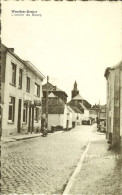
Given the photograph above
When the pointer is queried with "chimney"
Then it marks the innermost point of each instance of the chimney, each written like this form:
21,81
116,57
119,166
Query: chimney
11,49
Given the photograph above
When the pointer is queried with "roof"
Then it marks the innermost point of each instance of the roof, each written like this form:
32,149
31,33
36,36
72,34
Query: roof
83,106
76,109
78,97
48,86
56,91
107,70
25,63
55,106
69,108
34,69
51,95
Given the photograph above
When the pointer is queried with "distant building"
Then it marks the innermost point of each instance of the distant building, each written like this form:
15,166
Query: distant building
74,91
21,84
79,102
59,115
102,112
56,91
76,116
55,106
114,103
93,113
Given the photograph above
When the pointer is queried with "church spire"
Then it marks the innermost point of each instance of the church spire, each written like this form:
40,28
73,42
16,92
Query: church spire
75,91
75,86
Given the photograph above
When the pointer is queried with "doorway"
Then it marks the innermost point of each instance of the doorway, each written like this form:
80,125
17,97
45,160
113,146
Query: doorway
19,115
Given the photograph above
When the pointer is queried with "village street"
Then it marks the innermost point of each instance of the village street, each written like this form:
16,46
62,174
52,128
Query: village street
43,164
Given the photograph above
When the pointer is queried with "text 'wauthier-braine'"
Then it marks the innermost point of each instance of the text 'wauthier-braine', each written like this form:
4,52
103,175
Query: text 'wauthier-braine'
25,13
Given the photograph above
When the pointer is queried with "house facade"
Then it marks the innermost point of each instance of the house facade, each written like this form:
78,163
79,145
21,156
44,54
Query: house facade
55,104
93,113
76,116
59,115
21,95
113,76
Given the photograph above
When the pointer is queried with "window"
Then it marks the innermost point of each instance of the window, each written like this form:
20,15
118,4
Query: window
28,85
13,81
37,114
37,90
20,78
25,113
11,111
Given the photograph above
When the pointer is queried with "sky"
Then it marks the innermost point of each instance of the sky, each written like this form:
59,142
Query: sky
68,41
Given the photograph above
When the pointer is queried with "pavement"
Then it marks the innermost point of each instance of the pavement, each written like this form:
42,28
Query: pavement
42,165
45,165
18,137
101,171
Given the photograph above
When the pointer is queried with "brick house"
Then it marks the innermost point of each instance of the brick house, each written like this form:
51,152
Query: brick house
21,84
113,76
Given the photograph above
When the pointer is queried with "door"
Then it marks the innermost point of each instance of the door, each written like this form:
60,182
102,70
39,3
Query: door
67,125
32,119
29,120
19,115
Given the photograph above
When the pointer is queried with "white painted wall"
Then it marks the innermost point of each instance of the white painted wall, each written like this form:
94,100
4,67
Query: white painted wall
53,119
9,90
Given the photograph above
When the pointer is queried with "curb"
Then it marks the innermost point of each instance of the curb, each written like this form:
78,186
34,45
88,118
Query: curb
18,139
14,139
76,171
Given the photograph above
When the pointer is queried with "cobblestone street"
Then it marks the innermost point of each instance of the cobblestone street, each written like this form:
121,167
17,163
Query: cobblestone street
43,164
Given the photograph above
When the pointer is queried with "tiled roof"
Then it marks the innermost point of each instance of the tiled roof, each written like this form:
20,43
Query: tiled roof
48,86
78,97
76,110
83,106
75,104
55,106
51,95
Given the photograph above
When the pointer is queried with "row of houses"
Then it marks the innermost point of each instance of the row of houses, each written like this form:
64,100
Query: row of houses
25,102
63,114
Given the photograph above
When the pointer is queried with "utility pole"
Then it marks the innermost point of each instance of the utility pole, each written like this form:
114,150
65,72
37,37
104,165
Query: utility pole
46,125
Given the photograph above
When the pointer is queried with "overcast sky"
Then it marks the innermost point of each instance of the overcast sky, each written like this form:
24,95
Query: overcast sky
69,41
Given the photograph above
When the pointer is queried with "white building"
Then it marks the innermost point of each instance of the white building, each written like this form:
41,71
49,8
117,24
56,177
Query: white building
59,115
114,103
21,84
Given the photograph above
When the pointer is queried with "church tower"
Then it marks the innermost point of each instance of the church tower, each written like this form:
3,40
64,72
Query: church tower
74,91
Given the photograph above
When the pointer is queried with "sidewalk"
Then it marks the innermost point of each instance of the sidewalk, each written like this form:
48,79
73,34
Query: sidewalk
13,138
100,173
